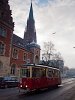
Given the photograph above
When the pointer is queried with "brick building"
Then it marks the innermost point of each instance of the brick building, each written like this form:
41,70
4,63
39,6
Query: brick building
6,31
15,51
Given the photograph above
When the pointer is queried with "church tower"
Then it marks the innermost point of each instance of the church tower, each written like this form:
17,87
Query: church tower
30,32
30,39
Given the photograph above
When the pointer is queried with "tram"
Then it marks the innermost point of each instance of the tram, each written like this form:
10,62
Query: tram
35,77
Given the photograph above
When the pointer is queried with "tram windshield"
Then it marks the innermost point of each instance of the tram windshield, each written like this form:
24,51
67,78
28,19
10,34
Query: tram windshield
25,72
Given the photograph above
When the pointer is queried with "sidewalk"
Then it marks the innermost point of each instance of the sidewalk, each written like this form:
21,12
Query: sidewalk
65,80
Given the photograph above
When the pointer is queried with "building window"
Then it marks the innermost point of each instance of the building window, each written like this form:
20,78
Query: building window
1,65
15,53
37,52
25,57
2,32
13,69
2,47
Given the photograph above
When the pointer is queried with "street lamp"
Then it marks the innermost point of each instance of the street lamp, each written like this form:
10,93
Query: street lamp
54,33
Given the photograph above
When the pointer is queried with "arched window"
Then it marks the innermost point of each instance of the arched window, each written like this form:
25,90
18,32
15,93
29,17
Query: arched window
36,59
2,48
3,31
1,65
13,69
25,56
15,53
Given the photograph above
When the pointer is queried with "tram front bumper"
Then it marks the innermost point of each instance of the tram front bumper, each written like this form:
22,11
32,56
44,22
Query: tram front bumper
24,88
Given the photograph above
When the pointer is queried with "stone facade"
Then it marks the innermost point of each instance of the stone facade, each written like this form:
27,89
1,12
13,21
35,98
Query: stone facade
5,68
6,31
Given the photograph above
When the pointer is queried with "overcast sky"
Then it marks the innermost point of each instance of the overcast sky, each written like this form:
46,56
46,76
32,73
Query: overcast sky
50,16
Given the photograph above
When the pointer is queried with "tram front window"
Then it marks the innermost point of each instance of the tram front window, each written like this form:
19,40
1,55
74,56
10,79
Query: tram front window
25,72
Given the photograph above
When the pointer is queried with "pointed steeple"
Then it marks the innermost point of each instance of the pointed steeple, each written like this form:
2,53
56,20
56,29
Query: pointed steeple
31,12
30,32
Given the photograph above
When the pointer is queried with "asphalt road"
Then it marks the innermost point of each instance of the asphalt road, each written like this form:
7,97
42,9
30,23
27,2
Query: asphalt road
66,91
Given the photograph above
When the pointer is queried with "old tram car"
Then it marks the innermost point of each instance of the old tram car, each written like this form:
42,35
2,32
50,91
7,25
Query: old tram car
35,77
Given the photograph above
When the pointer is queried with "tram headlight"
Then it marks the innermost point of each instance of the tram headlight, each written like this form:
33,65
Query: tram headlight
20,85
26,86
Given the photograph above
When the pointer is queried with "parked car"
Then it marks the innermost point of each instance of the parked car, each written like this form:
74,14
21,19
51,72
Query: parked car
2,83
8,82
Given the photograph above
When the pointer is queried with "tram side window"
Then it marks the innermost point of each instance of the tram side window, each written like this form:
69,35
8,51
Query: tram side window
55,73
38,72
59,75
35,72
43,72
25,72
49,73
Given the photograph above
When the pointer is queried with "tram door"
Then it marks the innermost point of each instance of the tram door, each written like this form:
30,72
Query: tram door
43,79
36,77
39,77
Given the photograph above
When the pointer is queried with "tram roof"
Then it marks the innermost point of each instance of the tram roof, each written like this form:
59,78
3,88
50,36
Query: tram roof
25,65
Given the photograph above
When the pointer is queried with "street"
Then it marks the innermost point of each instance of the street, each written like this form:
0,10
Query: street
65,91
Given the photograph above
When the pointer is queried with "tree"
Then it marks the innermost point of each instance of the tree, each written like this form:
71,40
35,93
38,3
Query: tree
50,58
57,56
48,51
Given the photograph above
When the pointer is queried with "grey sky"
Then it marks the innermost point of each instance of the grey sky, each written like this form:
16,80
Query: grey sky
50,16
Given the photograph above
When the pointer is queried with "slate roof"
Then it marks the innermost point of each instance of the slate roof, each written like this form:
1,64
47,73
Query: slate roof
16,40
33,45
19,42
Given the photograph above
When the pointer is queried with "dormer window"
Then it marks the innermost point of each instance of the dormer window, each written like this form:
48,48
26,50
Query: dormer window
3,32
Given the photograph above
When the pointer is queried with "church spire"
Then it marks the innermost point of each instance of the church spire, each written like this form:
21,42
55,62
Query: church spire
30,32
31,12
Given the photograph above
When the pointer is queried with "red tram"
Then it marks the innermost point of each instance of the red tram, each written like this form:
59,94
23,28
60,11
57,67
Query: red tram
34,77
